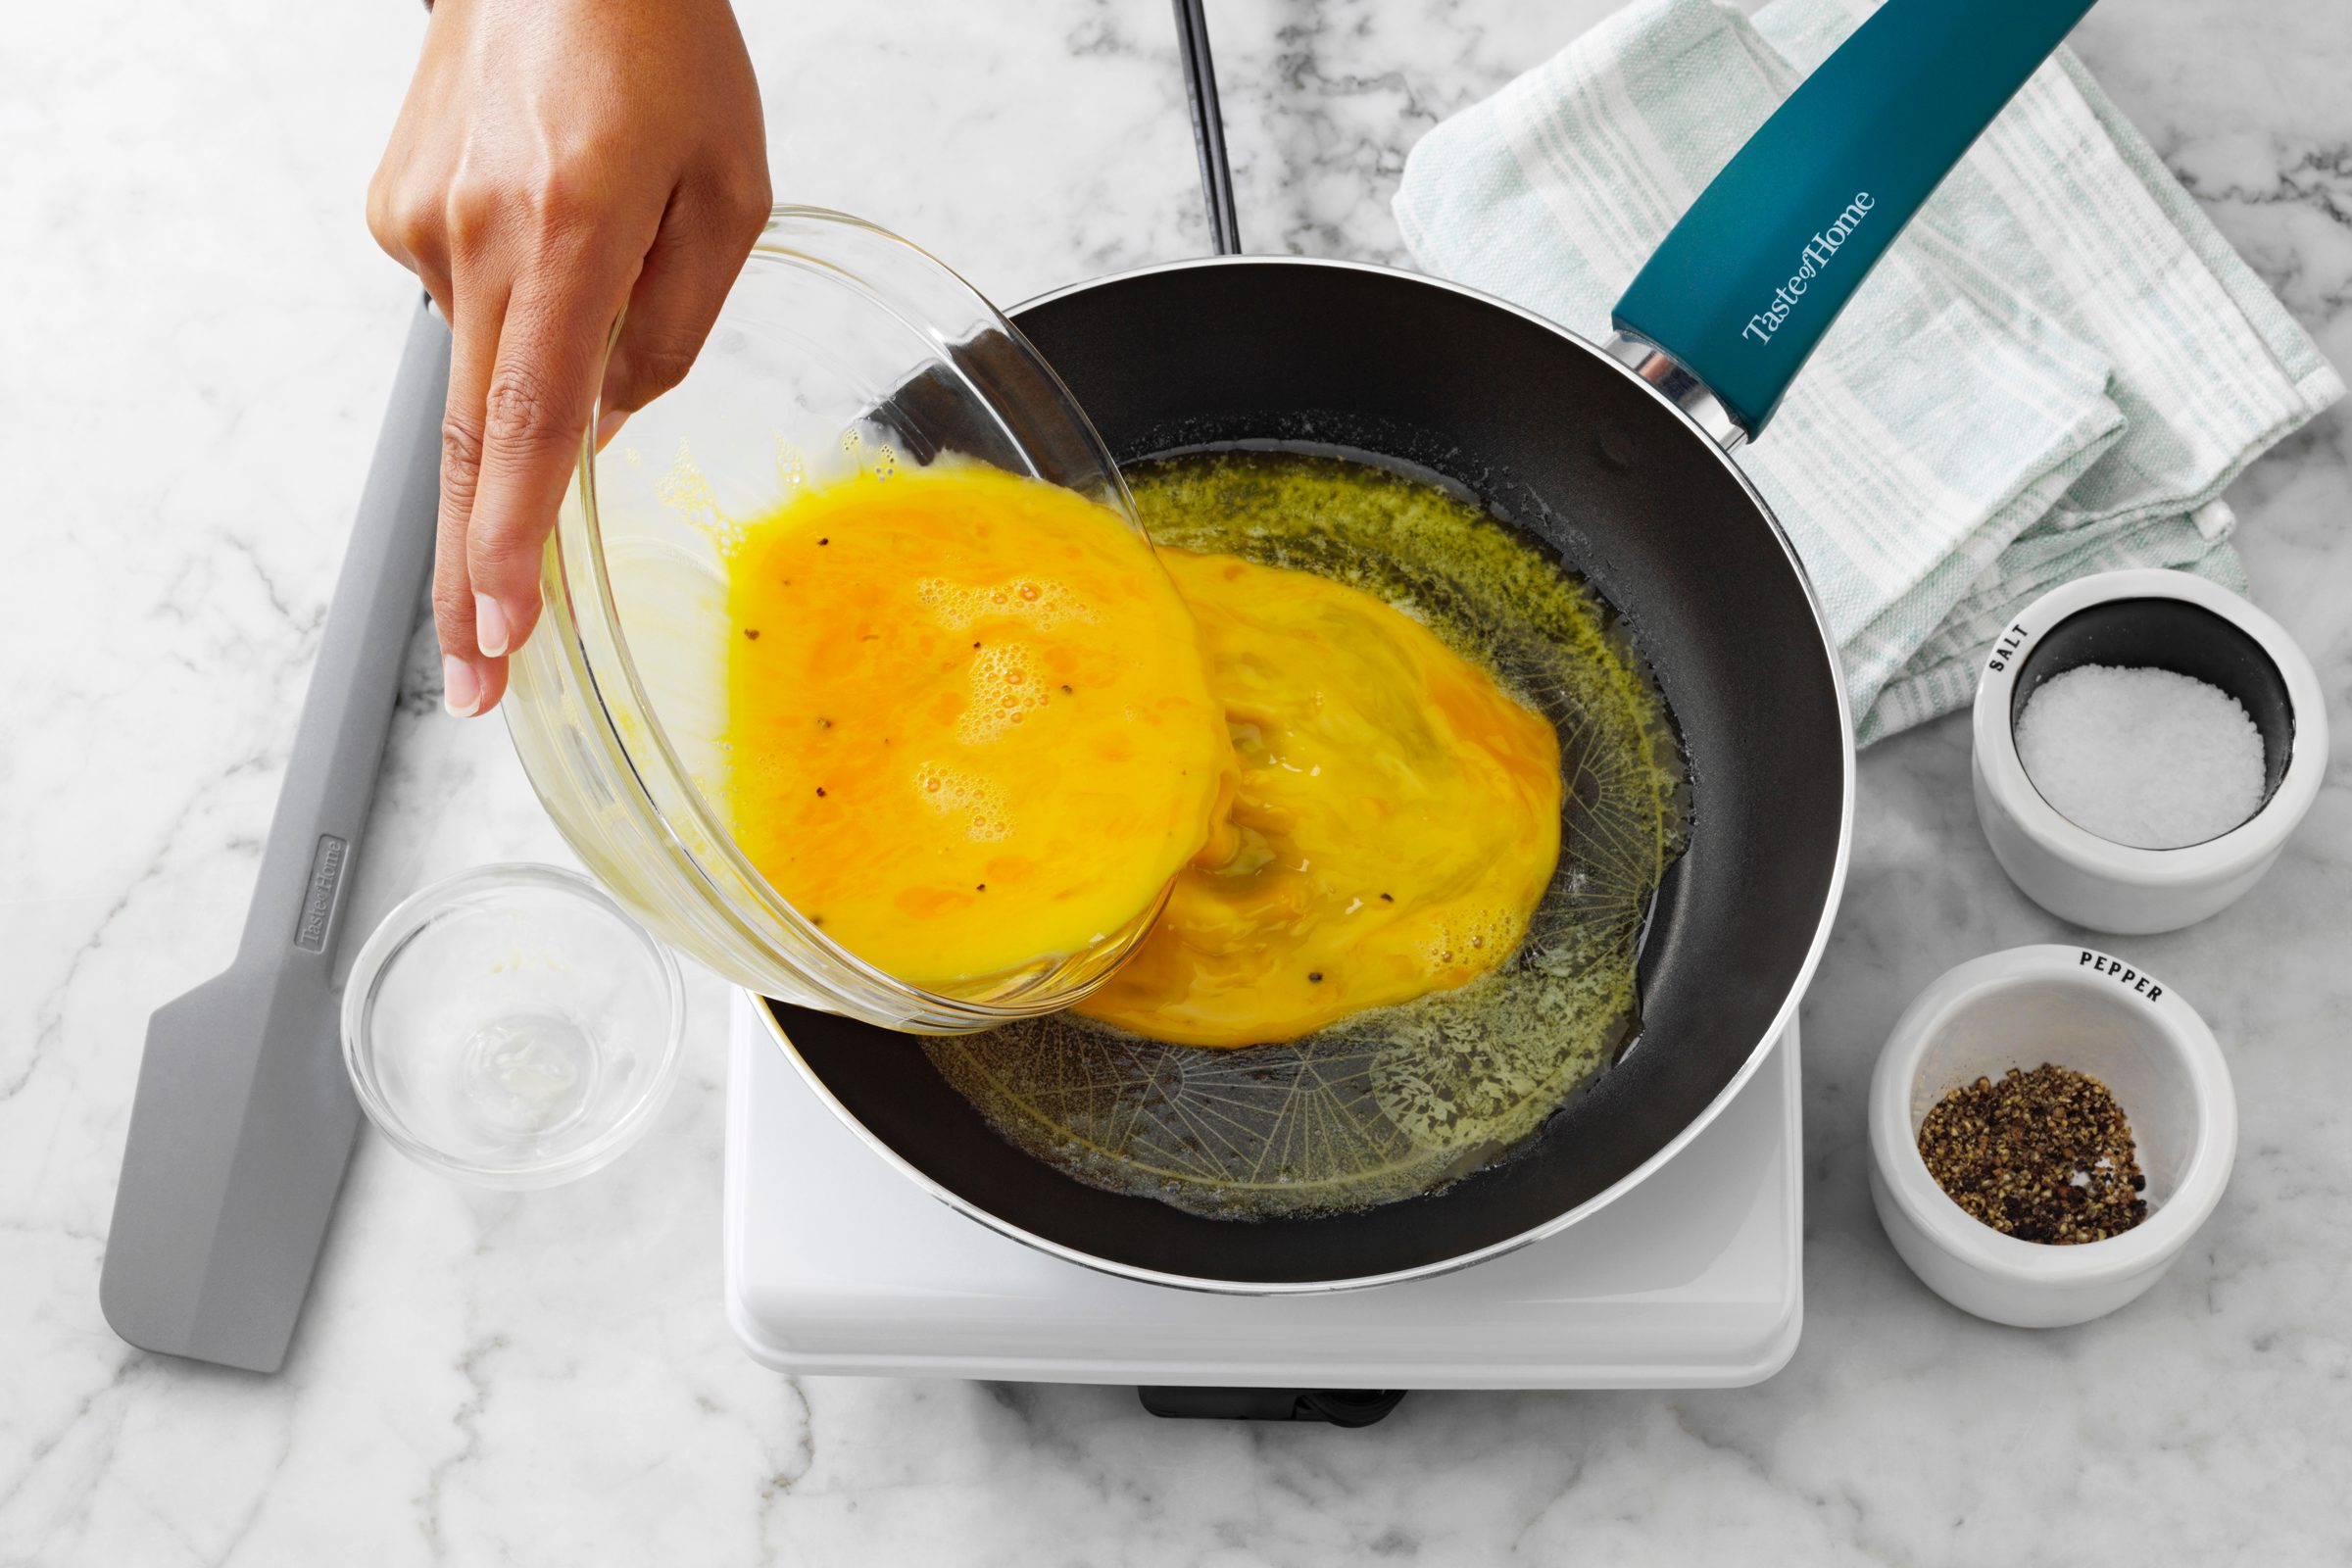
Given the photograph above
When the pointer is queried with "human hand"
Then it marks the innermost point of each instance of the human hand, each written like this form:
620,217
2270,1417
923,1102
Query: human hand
556,160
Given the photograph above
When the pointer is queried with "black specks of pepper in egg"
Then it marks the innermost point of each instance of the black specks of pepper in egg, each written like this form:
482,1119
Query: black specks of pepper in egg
752,633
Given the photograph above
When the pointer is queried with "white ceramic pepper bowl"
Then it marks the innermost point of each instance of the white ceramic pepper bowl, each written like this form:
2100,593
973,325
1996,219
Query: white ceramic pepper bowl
2170,620
2074,1008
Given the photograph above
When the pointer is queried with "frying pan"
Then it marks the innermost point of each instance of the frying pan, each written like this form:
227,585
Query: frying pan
1617,456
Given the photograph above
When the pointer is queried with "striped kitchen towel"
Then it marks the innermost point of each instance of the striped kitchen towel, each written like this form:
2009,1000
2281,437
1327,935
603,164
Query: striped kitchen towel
2055,371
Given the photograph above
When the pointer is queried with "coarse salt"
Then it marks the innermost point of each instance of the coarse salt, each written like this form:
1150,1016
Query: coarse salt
2146,758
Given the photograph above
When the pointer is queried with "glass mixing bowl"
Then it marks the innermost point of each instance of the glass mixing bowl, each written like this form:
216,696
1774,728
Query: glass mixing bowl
840,348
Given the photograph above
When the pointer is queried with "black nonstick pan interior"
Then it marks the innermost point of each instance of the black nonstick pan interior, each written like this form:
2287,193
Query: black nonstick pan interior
1563,442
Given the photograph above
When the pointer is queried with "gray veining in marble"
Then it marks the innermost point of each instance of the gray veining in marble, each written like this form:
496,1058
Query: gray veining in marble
199,340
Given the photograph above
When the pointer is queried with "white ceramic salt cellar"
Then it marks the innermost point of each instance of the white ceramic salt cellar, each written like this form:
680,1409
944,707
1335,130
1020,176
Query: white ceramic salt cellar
2147,617
2075,1007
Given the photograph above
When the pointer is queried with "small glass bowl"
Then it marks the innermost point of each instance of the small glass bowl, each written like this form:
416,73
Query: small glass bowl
512,1027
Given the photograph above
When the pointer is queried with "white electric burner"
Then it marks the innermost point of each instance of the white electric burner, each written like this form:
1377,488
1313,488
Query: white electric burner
837,1262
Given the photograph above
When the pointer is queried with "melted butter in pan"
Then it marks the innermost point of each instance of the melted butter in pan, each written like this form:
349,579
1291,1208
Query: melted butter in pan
1396,1101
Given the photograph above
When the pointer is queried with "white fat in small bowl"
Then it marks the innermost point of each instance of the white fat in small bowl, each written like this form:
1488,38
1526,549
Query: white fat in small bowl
2146,618
2097,1014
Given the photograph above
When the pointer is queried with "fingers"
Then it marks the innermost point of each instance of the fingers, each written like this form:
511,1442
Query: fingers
474,354
535,407
521,393
705,233
544,157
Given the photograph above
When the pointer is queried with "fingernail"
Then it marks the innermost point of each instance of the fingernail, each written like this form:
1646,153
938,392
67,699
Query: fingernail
610,426
461,687
489,627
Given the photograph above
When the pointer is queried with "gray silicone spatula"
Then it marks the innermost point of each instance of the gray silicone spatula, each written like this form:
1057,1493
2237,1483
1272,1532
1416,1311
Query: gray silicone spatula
244,1119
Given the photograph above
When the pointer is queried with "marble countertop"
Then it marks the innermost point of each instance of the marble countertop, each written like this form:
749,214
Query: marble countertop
201,342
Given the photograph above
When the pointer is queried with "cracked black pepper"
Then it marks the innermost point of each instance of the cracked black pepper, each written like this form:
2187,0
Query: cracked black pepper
2044,1155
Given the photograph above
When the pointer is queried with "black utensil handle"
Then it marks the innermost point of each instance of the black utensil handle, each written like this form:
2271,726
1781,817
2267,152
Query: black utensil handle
1338,1407
1208,126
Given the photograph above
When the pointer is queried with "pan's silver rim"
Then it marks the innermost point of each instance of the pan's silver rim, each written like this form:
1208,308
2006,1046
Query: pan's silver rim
1782,1016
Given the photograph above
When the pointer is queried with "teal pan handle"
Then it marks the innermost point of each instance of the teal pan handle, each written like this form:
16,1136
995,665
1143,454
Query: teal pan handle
1751,277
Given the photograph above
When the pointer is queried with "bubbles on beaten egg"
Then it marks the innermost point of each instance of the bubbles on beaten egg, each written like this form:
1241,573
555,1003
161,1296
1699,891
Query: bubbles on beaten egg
1463,941
1031,602
791,469
1400,1101
947,790
875,456
687,492
1007,688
